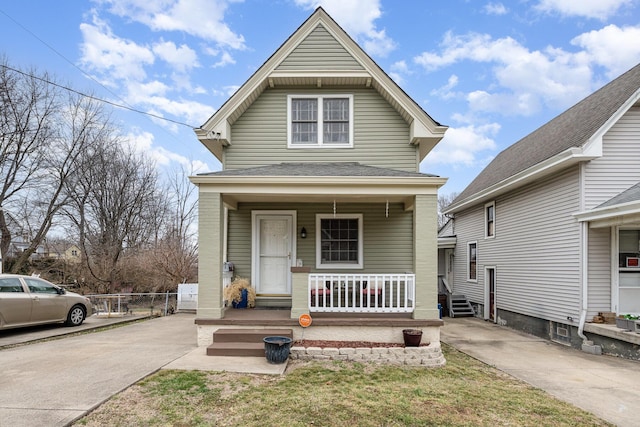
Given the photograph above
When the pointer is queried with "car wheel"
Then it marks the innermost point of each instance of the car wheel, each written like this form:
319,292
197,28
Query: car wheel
76,316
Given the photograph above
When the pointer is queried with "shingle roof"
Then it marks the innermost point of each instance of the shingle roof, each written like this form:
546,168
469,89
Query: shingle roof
573,128
347,169
631,194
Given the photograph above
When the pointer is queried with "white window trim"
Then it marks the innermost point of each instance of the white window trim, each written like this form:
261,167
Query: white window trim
320,144
319,264
469,279
486,220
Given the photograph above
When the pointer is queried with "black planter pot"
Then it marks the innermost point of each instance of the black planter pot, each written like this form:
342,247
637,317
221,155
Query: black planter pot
412,337
276,349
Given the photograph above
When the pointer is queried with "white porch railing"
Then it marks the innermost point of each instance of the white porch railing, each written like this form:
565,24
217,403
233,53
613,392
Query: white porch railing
362,293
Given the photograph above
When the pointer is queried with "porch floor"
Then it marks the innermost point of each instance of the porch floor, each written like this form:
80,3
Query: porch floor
282,318
612,331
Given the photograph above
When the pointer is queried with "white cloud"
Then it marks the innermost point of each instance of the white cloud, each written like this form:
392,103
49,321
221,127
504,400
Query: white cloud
524,80
461,146
199,18
596,9
144,143
617,49
106,53
357,18
225,59
446,91
495,9
181,58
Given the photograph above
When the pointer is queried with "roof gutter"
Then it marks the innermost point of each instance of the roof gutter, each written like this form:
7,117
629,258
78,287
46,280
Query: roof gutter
609,216
560,161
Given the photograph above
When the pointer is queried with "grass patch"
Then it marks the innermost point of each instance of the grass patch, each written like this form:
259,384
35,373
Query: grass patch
464,393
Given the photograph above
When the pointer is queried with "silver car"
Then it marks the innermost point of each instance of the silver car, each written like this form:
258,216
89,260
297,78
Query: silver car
29,300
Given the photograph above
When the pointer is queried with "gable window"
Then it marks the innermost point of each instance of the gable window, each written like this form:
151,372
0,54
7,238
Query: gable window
339,241
320,121
489,219
472,261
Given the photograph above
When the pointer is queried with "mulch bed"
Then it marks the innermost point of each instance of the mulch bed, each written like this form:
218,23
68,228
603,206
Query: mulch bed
346,344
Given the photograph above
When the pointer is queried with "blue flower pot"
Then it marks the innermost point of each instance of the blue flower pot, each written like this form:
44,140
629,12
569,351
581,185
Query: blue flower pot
243,302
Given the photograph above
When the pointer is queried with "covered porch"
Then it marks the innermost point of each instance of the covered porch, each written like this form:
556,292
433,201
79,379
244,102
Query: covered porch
339,240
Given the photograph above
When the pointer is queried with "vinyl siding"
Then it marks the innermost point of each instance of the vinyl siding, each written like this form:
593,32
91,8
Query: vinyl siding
536,249
381,136
388,246
599,268
469,228
619,166
319,51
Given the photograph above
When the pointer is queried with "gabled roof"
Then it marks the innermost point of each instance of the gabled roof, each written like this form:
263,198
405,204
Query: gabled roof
354,68
573,136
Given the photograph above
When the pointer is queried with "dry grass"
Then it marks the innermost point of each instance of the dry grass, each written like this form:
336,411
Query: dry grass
464,393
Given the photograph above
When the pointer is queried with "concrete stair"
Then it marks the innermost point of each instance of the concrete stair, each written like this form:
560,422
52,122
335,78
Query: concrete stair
243,342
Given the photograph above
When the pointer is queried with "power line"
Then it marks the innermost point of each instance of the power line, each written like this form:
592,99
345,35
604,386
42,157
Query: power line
126,107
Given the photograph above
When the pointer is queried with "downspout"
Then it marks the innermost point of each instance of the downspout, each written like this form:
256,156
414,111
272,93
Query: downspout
584,258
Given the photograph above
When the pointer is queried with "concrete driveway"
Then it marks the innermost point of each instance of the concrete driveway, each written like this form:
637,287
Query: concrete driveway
53,383
606,386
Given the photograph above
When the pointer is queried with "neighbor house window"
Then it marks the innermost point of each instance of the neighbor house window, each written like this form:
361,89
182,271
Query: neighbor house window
490,219
320,121
339,241
472,264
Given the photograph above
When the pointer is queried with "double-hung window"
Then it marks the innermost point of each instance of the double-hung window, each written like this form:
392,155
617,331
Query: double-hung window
490,219
339,241
320,121
472,261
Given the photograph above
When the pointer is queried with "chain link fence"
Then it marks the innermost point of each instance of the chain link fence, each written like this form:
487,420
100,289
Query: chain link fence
134,304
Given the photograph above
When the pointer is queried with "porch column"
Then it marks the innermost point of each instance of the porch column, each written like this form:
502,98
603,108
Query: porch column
426,256
299,291
210,239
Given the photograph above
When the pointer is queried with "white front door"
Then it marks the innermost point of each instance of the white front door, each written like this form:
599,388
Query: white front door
273,243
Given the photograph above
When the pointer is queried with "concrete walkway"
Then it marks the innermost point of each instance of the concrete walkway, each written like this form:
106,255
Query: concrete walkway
53,383
56,382
606,386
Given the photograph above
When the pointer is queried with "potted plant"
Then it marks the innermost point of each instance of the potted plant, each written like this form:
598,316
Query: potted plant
412,337
240,293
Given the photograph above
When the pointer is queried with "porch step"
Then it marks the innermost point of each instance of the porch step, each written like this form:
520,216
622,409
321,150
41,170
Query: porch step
243,342
459,306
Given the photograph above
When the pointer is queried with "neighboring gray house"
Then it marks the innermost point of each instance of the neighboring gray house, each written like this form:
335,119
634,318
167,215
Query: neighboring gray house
320,201
548,234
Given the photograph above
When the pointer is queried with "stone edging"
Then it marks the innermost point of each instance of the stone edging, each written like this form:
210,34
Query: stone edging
428,356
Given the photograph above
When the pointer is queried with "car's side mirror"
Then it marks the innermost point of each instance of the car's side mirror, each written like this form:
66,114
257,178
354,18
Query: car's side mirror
61,291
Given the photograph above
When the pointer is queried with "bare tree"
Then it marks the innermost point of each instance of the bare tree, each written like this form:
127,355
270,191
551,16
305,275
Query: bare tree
80,124
444,200
42,132
175,251
114,199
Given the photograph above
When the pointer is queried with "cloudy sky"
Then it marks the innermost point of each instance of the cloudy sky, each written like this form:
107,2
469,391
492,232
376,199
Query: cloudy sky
492,71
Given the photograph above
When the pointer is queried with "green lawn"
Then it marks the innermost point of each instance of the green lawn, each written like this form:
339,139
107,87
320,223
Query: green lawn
464,393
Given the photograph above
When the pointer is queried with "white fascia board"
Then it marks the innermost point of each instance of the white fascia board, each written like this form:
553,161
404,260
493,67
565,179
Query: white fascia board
319,185
609,212
560,161
593,146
